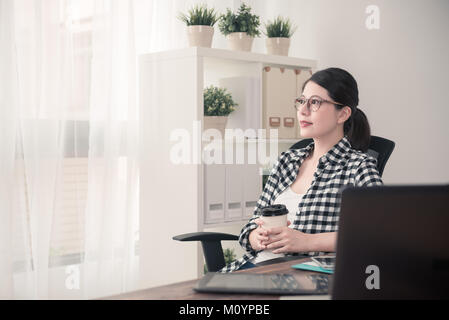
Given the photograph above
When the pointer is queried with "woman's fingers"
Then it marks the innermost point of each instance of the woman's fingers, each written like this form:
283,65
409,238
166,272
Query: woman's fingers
275,230
262,240
276,245
262,234
259,222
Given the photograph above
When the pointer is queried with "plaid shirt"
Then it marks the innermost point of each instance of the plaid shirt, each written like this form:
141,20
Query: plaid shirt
318,211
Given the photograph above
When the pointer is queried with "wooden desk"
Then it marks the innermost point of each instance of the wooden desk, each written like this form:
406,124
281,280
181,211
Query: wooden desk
184,290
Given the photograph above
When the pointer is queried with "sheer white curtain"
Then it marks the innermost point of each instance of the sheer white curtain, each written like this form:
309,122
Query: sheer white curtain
69,176
36,72
112,195
69,171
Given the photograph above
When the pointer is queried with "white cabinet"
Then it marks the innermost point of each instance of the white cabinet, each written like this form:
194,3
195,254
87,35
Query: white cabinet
178,192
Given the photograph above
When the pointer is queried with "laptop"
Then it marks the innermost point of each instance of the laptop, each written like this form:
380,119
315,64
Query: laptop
393,243
274,284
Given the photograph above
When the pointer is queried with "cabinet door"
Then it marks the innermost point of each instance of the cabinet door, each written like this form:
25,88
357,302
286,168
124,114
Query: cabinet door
252,188
286,104
271,94
279,93
234,192
214,190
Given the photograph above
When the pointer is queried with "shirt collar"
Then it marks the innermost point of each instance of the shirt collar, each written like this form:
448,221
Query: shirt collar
336,154
339,152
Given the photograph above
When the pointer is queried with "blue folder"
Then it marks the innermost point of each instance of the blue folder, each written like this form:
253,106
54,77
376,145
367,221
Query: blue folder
310,267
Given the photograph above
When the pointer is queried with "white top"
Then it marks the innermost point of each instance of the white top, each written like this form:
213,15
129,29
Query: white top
291,200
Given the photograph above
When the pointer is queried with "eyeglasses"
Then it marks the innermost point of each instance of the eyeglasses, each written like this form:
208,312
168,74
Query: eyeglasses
313,103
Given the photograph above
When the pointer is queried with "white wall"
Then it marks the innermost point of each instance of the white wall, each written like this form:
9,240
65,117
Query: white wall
401,69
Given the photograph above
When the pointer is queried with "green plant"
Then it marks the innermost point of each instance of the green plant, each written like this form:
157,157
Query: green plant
199,15
218,102
279,28
229,256
243,21
264,180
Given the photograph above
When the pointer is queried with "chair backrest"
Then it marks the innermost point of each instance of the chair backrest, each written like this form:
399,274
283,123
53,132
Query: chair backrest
379,148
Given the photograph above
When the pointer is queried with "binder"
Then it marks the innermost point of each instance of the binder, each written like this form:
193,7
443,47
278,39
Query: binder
272,91
214,190
286,104
234,192
279,93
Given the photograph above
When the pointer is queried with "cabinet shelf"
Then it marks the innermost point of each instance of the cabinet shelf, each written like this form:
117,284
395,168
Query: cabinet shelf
235,56
252,140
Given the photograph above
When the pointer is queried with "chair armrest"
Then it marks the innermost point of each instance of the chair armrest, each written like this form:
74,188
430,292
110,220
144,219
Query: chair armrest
205,236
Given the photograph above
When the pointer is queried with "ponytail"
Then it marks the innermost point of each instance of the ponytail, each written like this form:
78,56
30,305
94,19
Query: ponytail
358,131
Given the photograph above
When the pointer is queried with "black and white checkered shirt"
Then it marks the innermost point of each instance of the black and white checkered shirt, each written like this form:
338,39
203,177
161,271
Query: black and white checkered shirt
318,211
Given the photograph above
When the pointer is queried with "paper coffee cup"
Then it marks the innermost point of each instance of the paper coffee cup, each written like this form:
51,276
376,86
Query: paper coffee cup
274,216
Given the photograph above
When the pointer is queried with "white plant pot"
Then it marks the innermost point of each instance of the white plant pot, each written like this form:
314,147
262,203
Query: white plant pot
240,41
200,36
278,46
215,122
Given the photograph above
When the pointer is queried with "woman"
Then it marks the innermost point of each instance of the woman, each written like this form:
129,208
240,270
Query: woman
308,180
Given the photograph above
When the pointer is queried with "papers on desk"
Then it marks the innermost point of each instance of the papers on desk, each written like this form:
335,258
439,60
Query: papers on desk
311,266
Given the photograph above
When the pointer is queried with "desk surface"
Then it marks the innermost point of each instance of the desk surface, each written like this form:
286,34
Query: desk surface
184,290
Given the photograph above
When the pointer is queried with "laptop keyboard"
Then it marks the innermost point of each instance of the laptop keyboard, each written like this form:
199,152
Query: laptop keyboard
288,282
284,281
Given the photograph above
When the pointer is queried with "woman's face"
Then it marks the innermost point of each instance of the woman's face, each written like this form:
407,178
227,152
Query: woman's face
327,121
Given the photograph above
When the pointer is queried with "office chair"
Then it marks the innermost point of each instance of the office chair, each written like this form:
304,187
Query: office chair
379,148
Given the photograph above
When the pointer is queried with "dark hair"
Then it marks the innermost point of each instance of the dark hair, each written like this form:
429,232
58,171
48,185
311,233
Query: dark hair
342,88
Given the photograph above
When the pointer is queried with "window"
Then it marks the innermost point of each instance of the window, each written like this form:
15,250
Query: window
67,234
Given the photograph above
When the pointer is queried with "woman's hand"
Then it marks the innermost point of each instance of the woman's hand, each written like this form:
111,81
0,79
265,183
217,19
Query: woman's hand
258,236
285,239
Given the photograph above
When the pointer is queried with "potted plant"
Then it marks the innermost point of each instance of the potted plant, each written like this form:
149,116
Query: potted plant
279,32
218,104
241,28
200,23
229,256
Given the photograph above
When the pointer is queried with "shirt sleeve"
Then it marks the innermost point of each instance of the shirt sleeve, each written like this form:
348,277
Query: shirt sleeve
367,174
265,199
